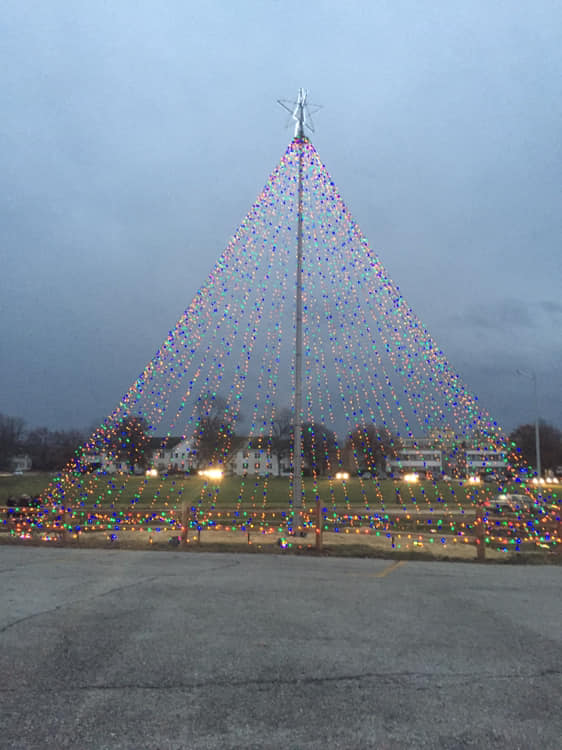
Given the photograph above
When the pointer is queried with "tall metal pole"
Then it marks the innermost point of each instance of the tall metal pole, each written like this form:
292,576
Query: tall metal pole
533,376
301,113
537,434
298,498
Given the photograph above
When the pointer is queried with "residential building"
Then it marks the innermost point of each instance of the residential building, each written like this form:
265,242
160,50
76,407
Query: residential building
251,459
171,454
163,454
20,463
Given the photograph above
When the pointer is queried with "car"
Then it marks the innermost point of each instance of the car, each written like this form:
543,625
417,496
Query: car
508,503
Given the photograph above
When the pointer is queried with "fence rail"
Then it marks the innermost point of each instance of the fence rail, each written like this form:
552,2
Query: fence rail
399,528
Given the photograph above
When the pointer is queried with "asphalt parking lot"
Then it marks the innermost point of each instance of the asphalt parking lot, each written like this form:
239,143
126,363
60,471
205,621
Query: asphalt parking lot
124,649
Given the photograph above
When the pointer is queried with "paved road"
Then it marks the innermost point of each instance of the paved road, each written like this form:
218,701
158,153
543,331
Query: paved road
114,649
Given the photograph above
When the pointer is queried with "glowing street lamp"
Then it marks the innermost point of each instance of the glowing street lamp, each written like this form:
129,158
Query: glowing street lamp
216,474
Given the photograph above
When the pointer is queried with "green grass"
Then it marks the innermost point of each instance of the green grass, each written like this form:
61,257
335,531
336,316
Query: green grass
122,492
31,484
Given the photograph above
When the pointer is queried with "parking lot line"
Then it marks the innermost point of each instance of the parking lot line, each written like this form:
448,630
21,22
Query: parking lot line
390,568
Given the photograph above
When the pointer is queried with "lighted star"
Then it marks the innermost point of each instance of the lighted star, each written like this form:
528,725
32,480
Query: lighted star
301,112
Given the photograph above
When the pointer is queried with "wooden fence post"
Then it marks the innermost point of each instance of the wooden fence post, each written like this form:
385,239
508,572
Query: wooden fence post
185,522
66,526
319,539
479,533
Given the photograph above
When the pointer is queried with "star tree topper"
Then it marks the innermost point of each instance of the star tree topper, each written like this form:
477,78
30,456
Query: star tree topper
301,112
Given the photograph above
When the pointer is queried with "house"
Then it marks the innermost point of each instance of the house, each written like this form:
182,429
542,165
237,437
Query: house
20,463
105,463
257,457
253,459
171,454
161,453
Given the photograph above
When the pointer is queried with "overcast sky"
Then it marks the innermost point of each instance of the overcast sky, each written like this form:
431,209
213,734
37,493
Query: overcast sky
136,135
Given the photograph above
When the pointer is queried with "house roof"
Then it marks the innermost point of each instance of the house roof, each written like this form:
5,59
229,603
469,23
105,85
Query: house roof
157,443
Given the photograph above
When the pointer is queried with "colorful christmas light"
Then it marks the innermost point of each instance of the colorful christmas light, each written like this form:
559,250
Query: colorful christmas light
368,360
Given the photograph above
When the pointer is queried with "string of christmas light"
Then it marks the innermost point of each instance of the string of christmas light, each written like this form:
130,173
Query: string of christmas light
370,370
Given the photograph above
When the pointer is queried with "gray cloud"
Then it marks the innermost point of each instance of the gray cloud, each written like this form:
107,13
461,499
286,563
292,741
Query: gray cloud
500,317
552,309
136,137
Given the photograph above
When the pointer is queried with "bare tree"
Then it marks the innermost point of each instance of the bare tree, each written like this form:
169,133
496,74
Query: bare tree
369,447
52,450
522,441
282,435
214,434
319,443
12,431
319,447
126,439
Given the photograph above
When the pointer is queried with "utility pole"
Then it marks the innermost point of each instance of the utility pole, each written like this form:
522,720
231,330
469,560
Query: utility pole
532,375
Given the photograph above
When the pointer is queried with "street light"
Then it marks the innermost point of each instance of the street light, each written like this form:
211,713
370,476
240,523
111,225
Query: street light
532,375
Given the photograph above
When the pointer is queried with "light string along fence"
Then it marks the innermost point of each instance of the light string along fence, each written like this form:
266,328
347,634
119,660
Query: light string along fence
203,440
